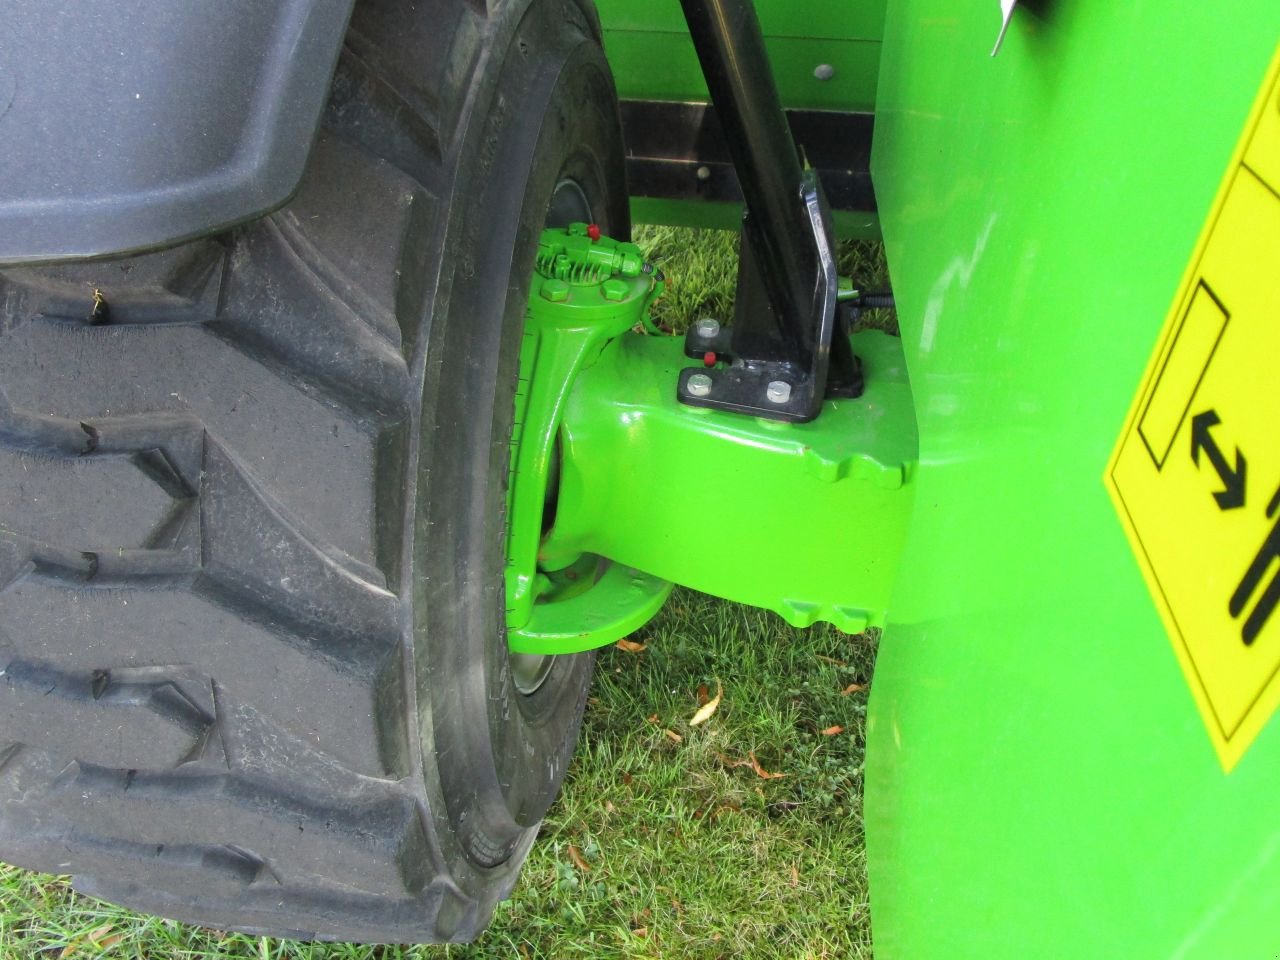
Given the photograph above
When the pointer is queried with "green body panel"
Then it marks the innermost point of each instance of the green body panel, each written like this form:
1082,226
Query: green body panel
1039,781
802,519
652,56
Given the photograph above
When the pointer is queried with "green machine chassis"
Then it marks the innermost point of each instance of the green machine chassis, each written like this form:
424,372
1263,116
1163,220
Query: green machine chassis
1043,775
1039,782
597,407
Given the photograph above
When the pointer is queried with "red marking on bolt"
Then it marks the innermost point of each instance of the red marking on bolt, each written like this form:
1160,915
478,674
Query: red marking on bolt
709,358
593,231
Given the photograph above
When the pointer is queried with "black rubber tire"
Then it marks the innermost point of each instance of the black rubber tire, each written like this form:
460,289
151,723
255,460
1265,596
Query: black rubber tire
253,670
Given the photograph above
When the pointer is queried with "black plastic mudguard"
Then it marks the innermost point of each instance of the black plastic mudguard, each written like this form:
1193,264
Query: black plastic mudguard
129,124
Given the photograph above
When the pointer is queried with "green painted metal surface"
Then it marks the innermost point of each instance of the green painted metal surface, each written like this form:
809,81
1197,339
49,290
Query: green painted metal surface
652,56
1039,781
586,291
802,519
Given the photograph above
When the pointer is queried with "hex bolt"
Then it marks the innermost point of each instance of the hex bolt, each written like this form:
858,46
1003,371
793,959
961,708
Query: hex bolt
824,71
698,385
554,290
707,328
778,391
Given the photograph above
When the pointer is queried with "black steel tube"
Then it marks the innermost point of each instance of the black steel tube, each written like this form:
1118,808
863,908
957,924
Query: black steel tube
730,46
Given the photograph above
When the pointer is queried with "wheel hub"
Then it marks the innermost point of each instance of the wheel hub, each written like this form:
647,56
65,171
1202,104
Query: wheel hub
587,289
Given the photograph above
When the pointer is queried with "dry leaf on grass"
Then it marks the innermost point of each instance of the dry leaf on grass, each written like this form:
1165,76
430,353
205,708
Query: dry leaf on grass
707,709
576,856
94,936
795,876
629,646
673,736
761,772
853,688
832,730
831,660
703,694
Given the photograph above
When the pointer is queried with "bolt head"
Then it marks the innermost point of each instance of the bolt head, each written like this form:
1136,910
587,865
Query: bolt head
778,391
706,328
554,290
698,385
613,289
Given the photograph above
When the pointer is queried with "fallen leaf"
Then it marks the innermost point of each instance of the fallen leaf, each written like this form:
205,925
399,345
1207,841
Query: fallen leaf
831,660
832,730
853,688
97,933
672,735
721,809
653,718
626,779
761,772
609,807
110,941
69,949
576,856
795,876
630,646
641,932
707,709
703,694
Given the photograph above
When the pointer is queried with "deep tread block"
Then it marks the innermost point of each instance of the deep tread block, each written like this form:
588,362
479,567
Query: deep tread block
179,285
258,560
166,727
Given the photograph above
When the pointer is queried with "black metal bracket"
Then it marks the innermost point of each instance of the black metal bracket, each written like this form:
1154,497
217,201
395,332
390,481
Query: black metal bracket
782,342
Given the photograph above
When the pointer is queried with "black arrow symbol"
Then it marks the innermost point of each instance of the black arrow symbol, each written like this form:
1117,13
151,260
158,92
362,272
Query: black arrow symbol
1201,439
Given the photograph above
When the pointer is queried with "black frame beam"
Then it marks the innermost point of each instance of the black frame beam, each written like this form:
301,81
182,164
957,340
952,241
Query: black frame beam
678,151
779,346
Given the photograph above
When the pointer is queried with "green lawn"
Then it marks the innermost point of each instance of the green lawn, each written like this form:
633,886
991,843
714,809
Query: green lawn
740,837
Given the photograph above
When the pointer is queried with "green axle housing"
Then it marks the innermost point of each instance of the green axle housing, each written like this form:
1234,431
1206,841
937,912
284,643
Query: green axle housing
777,515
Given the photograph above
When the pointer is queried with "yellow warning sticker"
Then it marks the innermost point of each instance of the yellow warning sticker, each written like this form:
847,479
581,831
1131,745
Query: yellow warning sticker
1195,475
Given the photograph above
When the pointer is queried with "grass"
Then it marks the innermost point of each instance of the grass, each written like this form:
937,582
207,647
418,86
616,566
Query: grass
670,840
